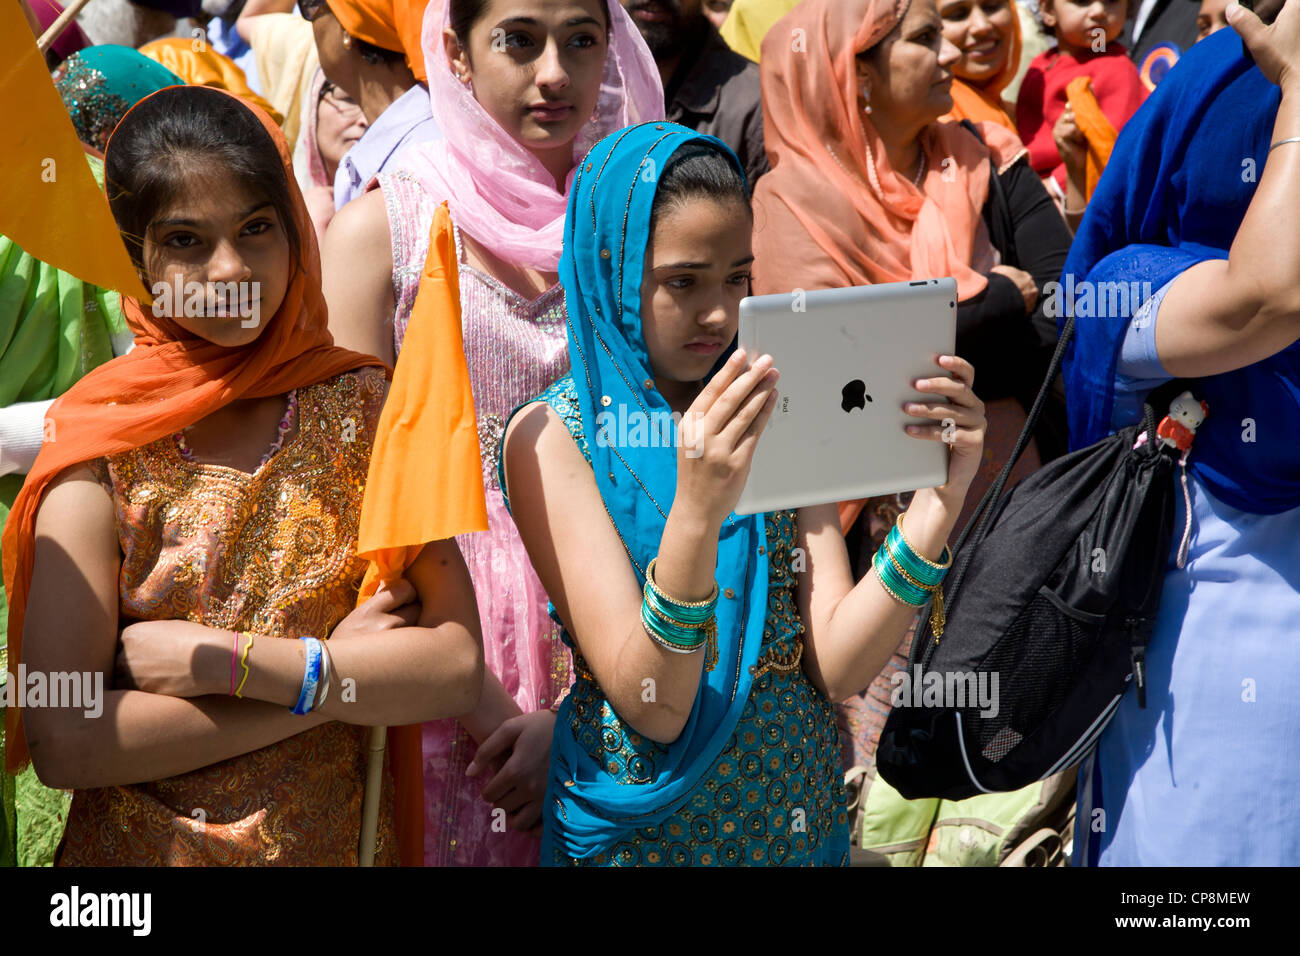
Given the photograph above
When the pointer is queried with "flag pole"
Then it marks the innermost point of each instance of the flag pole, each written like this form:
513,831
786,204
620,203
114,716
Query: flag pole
370,802
58,26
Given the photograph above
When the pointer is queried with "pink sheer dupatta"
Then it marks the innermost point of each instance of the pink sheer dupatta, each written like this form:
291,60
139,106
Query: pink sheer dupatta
308,165
497,190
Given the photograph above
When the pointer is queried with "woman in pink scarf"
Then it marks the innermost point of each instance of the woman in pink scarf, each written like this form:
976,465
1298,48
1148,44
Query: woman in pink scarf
520,94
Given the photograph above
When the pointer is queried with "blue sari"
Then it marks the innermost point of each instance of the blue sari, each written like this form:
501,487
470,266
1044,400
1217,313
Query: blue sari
608,787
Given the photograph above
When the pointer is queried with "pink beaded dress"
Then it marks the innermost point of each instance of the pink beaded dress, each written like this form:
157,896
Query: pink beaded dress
514,349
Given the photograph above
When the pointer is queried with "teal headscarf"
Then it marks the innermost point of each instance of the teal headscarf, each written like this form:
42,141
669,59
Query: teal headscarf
605,237
100,83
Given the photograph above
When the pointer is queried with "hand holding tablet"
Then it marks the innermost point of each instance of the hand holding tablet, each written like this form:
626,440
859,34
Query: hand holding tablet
851,360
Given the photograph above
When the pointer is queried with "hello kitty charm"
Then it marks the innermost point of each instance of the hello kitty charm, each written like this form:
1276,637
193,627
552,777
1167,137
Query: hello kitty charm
1178,428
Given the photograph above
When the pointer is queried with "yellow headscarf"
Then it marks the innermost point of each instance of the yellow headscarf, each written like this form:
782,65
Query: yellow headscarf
749,21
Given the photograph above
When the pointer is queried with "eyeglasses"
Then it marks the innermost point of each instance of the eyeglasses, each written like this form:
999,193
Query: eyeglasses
311,9
335,97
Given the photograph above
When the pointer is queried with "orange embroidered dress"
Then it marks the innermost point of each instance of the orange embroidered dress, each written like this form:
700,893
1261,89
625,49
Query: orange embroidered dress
274,553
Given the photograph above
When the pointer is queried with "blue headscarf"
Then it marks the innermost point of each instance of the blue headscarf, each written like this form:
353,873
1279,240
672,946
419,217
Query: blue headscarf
605,237
1174,194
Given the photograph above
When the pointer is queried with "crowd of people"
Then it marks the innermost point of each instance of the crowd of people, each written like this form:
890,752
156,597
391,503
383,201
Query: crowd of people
365,485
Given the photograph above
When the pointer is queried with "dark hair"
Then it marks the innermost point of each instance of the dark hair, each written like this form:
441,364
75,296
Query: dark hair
699,170
466,13
1130,8
175,132
376,54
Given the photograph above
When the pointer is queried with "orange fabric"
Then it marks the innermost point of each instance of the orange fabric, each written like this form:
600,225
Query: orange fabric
824,217
388,24
849,511
426,481
983,103
208,68
171,379
49,201
426,478
1094,125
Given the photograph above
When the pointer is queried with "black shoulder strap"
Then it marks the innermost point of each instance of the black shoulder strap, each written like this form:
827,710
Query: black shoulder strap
1002,229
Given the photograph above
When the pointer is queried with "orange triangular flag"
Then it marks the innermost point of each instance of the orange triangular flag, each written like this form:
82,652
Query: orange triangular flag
426,481
1094,125
49,201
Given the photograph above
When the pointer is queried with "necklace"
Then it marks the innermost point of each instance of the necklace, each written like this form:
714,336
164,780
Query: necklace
871,169
286,422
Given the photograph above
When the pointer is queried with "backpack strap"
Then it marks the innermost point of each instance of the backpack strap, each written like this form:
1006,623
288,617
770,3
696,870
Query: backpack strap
997,210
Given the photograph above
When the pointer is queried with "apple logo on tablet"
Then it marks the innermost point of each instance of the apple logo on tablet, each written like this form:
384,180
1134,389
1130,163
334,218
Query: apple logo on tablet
854,395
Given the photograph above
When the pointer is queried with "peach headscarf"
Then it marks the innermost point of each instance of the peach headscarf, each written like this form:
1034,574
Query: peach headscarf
171,379
206,68
824,218
388,24
982,103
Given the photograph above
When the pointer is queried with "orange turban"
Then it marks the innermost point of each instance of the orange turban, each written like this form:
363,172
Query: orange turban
388,24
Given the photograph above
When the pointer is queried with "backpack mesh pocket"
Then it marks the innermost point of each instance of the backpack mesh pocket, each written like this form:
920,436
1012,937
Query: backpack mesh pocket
1046,644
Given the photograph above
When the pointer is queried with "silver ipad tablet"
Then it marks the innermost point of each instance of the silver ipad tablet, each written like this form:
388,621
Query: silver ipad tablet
847,359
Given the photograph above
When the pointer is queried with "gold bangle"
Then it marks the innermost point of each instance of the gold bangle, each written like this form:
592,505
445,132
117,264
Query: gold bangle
938,618
890,591
686,626
650,581
903,571
938,567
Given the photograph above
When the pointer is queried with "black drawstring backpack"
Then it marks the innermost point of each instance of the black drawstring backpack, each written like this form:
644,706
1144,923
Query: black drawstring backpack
1050,603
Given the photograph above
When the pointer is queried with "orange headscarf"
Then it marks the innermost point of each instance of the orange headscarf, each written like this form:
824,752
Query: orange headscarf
171,379
982,103
206,68
388,24
824,217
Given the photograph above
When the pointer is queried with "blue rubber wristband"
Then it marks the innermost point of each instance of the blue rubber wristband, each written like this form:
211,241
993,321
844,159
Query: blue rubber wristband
310,676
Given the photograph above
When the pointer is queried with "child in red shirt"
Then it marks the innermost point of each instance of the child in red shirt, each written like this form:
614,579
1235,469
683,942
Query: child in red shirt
1085,33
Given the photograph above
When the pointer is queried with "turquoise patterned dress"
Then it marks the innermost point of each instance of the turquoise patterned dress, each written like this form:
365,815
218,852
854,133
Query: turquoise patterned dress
776,792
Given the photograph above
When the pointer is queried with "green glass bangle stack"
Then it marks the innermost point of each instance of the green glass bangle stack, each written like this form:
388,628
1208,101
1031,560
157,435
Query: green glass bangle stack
910,578
682,627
